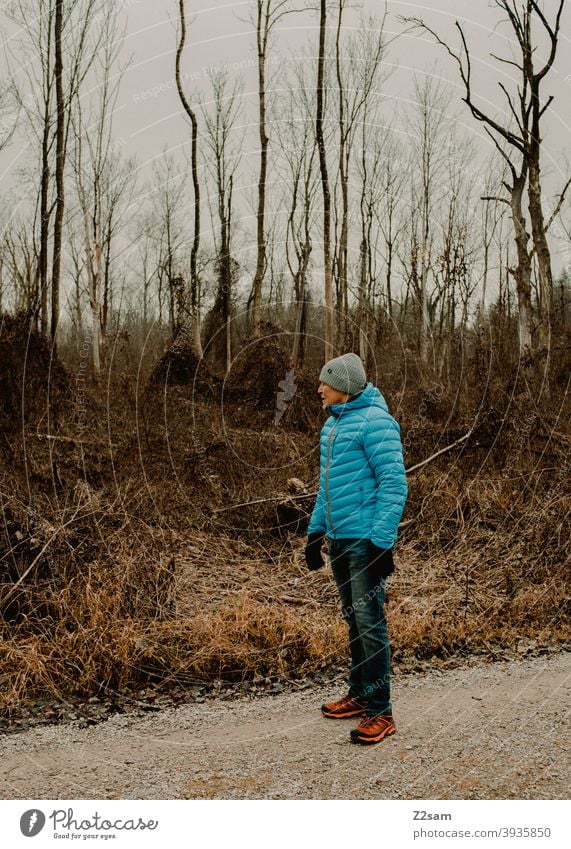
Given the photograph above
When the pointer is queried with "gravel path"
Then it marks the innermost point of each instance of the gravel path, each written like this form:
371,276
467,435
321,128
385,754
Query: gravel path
496,731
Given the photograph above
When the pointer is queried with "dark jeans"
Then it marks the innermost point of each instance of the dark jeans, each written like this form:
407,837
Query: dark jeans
363,608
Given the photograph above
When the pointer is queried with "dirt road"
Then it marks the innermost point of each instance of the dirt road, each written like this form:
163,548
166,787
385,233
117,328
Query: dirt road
479,732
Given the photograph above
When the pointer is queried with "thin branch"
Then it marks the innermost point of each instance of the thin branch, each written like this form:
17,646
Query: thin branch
503,153
546,106
507,61
493,197
512,108
465,74
515,21
74,441
553,35
438,453
558,206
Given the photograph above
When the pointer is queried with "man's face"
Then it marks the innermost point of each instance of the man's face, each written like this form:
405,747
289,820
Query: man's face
330,396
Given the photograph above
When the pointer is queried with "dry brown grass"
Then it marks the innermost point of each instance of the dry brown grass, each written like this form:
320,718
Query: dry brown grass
220,607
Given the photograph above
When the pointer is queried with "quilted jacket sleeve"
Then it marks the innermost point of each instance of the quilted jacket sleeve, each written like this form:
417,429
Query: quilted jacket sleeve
383,449
317,521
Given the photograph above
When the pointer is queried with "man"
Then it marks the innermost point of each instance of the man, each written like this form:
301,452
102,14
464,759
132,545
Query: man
361,498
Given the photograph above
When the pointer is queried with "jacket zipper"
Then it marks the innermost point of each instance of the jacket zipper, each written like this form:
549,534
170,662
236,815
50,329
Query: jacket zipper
329,440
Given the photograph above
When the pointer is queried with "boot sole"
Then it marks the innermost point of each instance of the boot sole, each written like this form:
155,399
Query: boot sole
368,740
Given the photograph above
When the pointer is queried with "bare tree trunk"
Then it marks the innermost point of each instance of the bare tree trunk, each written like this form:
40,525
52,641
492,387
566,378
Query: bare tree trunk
59,174
44,226
361,307
538,226
301,303
194,283
364,250
226,272
227,308
356,76
543,255
392,188
94,271
342,250
106,306
262,32
299,149
226,154
329,325
430,130
427,156
545,300
78,312
522,272
45,214
389,277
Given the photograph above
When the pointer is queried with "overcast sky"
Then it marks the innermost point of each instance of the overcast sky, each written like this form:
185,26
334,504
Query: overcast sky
219,34
149,117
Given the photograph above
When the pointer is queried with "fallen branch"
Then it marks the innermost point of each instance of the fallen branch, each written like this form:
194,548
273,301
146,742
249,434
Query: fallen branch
285,498
277,498
75,441
438,453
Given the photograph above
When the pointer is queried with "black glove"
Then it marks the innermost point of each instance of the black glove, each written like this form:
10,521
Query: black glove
313,556
381,561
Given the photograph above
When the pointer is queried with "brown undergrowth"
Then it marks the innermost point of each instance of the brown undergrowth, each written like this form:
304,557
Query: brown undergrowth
125,559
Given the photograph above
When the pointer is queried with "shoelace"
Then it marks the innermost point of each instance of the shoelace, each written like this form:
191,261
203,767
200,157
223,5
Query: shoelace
372,720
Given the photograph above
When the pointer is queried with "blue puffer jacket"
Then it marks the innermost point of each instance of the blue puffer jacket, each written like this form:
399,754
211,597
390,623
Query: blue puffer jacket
362,482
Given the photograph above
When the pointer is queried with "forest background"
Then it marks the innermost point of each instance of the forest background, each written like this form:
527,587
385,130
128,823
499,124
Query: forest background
201,203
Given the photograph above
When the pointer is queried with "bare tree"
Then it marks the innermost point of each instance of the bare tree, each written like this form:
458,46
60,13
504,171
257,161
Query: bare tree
144,243
389,217
225,154
459,247
320,137
429,129
77,257
53,37
371,160
521,134
101,180
59,165
299,150
19,264
194,282
268,13
521,20
492,214
168,192
356,69
36,104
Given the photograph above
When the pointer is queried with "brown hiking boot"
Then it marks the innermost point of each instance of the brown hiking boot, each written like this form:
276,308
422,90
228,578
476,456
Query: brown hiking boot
373,729
343,708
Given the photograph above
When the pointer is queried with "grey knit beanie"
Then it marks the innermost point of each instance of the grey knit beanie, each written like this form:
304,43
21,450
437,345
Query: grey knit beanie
345,373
